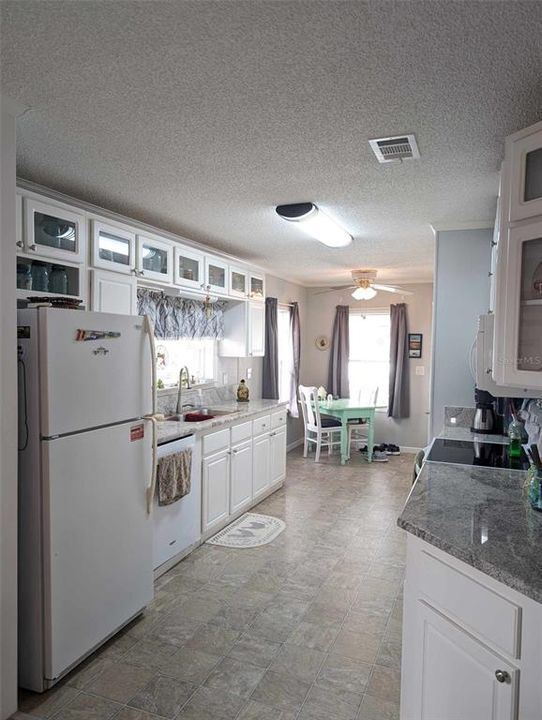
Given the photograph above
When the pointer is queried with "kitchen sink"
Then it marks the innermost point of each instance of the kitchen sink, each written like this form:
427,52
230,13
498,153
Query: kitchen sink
208,412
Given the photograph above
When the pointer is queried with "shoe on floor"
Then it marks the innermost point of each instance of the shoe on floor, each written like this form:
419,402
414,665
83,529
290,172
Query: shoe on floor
392,449
380,456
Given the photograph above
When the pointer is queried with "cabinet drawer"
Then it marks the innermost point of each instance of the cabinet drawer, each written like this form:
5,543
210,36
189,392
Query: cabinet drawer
241,432
278,418
216,441
261,425
475,607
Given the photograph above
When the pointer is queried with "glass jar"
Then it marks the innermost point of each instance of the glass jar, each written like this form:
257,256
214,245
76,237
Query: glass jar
535,488
40,277
24,276
58,282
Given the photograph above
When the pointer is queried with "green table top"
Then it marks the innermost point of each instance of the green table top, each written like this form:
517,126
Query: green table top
343,404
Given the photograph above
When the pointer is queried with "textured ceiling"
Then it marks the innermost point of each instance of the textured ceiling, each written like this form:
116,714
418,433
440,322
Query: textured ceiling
199,117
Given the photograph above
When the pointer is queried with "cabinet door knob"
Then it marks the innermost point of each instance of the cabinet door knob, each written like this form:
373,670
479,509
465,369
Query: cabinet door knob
32,247
502,676
19,243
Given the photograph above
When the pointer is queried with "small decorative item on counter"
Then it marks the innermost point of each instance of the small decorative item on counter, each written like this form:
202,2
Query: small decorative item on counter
534,478
514,435
242,392
159,384
58,282
537,279
24,276
322,393
40,277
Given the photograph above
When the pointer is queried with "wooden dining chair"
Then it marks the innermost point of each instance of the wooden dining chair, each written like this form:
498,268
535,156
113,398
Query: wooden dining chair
319,430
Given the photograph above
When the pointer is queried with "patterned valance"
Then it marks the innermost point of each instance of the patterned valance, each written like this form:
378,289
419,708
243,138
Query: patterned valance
177,317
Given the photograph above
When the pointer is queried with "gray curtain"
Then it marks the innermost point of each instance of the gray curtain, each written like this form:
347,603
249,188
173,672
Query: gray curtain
399,397
295,334
337,382
176,317
270,373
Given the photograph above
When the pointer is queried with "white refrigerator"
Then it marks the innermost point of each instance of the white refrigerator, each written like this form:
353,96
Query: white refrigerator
86,470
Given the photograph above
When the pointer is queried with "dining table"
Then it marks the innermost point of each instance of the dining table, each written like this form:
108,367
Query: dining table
345,409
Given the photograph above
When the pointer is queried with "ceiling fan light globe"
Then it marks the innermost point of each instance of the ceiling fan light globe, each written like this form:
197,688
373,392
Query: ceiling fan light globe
364,293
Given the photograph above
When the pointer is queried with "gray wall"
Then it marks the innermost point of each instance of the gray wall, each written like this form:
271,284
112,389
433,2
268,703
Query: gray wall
462,289
406,432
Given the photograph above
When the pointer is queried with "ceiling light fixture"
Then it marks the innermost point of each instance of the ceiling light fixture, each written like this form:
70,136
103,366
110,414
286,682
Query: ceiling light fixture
364,293
315,223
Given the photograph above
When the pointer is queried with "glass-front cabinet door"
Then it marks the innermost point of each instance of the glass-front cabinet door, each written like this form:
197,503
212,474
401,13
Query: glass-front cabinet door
189,268
216,274
520,359
154,259
54,231
238,282
256,287
113,247
526,175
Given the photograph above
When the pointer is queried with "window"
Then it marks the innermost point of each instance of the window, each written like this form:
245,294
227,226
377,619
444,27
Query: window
286,360
198,355
369,362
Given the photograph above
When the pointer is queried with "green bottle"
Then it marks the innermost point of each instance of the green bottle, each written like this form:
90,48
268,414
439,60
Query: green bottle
514,434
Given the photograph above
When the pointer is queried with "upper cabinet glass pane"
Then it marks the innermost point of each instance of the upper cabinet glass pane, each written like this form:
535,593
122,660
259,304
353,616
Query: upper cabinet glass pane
533,175
217,276
154,259
530,321
256,288
113,248
189,268
238,282
55,232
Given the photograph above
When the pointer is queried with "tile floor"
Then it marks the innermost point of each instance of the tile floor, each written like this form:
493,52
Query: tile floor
305,628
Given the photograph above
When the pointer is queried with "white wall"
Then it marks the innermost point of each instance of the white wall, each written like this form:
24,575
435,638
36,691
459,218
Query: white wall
462,291
8,416
406,432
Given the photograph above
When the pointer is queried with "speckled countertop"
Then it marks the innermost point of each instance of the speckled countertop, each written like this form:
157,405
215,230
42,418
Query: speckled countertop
464,433
171,430
482,517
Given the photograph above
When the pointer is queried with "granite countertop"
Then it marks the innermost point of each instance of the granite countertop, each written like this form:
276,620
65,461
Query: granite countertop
464,433
482,517
171,430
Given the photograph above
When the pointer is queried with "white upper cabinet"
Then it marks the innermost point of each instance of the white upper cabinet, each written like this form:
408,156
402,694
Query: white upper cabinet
189,268
154,258
216,275
256,287
256,329
524,151
113,292
113,247
244,330
54,230
238,282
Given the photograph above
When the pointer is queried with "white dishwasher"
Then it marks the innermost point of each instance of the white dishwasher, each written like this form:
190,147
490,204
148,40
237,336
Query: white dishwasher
177,527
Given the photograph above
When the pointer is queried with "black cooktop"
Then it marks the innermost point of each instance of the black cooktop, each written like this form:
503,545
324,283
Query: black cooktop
483,454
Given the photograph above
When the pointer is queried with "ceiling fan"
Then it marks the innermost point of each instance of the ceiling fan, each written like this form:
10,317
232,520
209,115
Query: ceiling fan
365,287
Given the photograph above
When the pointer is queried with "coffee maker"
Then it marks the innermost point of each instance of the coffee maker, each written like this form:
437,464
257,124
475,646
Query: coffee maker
484,416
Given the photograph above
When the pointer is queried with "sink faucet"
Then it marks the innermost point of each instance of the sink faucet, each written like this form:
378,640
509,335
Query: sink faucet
184,375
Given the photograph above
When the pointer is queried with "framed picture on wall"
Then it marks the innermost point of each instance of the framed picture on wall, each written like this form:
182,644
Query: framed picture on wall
415,345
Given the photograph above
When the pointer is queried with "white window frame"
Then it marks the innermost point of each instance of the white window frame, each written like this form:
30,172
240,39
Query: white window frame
382,401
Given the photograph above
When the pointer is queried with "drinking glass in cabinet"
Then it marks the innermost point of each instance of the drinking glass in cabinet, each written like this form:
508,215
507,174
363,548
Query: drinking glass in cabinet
256,288
40,277
533,175
217,276
113,248
24,276
188,268
58,281
154,259
530,320
54,232
238,282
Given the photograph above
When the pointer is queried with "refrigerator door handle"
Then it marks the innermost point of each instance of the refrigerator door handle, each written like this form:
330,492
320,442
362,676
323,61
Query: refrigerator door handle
152,485
149,329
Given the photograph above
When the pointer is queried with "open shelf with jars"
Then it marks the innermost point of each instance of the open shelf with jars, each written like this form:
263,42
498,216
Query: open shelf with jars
48,279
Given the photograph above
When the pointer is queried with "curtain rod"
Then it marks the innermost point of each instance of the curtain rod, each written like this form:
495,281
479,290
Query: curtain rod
283,304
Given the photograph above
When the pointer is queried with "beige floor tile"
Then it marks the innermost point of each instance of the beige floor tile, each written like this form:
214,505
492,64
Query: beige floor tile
163,696
128,713
213,640
149,654
281,691
373,708
211,704
120,681
236,677
323,704
314,636
191,666
385,684
298,662
344,674
45,705
88,707
359,645
253,649
257,711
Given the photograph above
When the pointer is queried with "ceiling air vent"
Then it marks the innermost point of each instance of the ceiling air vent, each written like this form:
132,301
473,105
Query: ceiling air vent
395,149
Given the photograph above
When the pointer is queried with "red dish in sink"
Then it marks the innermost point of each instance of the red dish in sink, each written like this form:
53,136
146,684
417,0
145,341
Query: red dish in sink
197,417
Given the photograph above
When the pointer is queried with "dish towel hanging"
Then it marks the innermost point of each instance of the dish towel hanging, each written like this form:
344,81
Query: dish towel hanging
174,477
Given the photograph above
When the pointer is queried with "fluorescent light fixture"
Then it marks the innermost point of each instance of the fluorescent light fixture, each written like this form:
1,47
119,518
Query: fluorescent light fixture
315,223
364,293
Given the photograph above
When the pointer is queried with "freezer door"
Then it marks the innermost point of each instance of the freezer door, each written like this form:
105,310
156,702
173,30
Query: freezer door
86,382
97,538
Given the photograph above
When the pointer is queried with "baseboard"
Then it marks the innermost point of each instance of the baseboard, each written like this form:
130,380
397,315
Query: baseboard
294,444
410,450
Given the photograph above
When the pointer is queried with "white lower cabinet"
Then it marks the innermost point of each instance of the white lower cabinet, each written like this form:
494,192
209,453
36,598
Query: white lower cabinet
456,676
216,489
113,292
472,647
261,465
241,465
241,476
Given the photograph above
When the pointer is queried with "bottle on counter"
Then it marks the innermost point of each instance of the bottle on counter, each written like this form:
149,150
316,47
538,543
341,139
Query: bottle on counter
242,392
515,436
